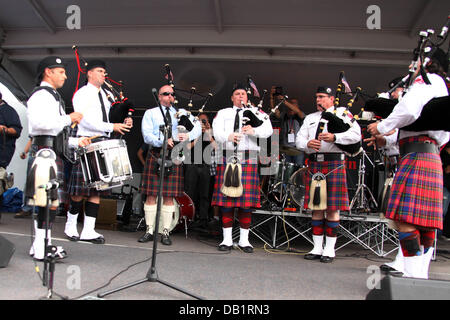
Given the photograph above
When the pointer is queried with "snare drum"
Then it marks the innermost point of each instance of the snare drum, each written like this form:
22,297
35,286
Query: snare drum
105,164
184,213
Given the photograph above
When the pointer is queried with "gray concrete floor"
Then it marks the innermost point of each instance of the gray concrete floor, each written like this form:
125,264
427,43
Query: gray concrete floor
193,264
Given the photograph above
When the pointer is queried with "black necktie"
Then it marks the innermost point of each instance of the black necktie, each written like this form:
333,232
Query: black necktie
105,118
169,122
236,121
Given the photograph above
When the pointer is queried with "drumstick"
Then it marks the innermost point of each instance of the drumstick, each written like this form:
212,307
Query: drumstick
93,137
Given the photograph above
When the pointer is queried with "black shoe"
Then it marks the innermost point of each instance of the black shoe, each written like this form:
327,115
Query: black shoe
22,214
247,249
99,240
199,225
146,237
73,238
386,269
165,239
223,247
326,259
311,256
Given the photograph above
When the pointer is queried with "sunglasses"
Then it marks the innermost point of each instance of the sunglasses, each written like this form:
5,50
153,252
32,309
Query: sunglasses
168,94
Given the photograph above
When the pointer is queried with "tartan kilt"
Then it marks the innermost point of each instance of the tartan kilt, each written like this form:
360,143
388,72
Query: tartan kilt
337,193
173,185
417,190
250,197
62,190
77,185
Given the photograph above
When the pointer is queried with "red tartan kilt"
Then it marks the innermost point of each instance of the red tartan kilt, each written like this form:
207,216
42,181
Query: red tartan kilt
337,193
417,190
173,185
250,197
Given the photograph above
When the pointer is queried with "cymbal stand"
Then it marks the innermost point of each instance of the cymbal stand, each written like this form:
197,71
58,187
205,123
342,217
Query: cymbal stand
359,201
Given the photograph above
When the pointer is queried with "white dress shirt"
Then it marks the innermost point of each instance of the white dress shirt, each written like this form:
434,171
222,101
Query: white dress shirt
153,119
409,108
223,126
308,132
45,115
87,102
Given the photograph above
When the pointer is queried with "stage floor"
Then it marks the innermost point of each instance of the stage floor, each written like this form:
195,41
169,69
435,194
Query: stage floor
193,264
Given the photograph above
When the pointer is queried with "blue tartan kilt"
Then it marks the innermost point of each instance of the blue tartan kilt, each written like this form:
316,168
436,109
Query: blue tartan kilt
77,186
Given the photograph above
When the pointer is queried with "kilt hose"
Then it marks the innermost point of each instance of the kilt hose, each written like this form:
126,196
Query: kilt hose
77,186
337,193
62,189
173,185
417,189
250,197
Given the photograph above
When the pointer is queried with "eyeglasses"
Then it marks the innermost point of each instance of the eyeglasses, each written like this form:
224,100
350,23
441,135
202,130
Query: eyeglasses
168,94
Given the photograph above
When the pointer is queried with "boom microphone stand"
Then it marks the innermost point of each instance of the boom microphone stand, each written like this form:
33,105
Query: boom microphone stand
151,273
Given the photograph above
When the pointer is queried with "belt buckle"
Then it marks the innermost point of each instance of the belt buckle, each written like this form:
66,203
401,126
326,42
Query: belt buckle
342,156
320,157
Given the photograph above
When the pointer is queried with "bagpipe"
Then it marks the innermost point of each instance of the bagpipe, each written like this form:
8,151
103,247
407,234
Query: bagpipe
336,124
251,116
183,115
121,107
435,113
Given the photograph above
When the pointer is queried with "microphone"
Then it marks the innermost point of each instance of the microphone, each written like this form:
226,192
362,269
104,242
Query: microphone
50,185
155,95
169,75
444,29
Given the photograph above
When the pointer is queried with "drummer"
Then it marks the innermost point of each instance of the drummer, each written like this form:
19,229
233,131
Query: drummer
291,121
92,101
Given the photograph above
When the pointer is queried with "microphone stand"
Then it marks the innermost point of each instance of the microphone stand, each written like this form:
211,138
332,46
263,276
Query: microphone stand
151,273
49,256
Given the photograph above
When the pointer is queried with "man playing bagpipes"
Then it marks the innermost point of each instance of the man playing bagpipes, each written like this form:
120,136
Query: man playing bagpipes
92,101
415,204
46,119
237,179
326,182
173,175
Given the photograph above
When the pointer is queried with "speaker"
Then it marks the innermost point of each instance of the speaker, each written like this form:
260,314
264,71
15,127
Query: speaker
107,214
397,288
6,251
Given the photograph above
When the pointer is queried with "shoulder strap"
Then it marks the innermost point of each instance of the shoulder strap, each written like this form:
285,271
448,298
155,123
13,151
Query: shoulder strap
48,89
54,93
